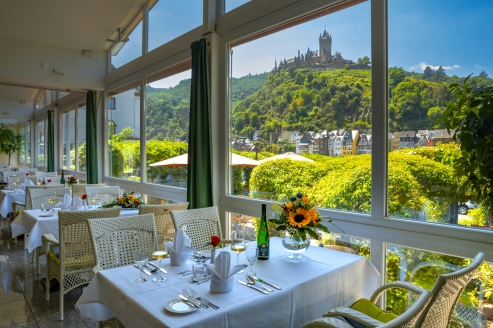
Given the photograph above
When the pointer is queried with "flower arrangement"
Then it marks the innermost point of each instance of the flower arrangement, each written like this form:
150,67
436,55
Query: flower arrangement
298,217
129,199
84,196
72,180
215,241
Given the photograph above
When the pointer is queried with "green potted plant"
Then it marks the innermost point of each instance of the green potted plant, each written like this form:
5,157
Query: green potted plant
10,142
470,116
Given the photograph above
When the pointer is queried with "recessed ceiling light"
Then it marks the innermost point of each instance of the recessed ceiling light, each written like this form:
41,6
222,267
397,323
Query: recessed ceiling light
6,113
23,102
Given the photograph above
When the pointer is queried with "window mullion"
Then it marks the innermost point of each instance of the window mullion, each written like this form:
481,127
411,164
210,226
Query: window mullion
143,155
379,108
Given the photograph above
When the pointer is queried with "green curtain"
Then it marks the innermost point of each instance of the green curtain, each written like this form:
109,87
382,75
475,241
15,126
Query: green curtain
199,181
91,139
50,147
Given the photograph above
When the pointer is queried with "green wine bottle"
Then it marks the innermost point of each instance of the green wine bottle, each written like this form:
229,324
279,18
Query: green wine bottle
62,179
263,236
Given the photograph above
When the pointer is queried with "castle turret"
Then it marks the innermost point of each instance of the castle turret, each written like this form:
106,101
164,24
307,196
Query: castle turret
325,42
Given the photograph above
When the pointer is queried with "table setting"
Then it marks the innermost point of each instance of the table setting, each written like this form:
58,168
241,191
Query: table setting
323,279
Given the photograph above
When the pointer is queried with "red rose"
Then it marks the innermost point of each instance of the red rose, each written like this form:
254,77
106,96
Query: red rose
215,240
84,196
27,174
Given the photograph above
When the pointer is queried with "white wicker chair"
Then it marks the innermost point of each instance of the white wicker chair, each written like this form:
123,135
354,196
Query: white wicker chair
44,174
55,180
105,194
80,189
199,224
444,297
165,229
405,320
75,262
115,239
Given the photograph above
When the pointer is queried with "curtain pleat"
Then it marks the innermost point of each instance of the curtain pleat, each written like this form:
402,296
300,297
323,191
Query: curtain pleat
50,149
199,180
91,139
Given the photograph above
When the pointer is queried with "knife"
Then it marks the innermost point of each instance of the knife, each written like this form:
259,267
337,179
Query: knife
253,287
145,271
267,283
161,269
190,300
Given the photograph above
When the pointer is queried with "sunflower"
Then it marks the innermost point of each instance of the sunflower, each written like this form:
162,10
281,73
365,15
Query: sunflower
305,200
313,214
287,207
299,219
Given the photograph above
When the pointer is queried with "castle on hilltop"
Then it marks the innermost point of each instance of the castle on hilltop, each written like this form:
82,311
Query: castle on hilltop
319,59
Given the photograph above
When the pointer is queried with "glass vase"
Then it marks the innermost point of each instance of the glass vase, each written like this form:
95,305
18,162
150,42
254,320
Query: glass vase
295,244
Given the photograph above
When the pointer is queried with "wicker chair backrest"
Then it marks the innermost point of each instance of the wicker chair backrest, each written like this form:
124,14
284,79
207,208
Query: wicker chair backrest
115,239
76,250
28,202
80,189
199,224
445,295
165,229
105,194
39,196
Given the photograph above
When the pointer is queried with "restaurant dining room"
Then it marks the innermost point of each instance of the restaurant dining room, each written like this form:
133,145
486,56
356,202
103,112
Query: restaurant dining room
215,163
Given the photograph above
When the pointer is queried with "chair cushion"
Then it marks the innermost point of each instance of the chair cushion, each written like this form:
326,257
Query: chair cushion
72,263
54,257
370,309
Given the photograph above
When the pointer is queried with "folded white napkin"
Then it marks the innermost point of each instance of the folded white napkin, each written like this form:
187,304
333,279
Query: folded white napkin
223,273
76,203
67,202
180,250
28,182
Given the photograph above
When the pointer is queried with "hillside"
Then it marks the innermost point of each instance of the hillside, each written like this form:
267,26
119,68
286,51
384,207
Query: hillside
168,108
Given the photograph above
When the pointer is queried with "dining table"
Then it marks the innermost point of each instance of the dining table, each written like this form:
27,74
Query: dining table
35,223
324,279
7,197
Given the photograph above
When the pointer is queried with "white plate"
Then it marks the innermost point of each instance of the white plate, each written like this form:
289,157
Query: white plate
47,214
177,305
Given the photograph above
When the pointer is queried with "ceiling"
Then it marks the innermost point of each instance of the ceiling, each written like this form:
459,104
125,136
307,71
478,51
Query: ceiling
72,24
69,24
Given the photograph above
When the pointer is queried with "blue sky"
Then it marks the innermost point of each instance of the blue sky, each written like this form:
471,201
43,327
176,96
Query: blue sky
452,33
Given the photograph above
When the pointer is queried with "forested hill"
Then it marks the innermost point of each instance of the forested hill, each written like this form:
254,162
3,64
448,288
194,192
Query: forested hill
305,99
168,108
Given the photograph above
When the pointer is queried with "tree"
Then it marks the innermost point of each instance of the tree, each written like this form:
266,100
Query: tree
10,142
396,76
483,74
470,116
428,73
365,60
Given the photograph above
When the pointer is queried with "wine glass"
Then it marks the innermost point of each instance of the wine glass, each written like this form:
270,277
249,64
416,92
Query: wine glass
140,257
43,203
95,200
159,255
237,244
251,253
52,200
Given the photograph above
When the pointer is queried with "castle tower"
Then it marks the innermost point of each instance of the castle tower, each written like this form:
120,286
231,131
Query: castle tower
325,42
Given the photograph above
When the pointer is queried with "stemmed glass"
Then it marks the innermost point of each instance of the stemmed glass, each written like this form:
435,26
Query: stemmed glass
159,255
237,244
251,253
95,199
140,257
43,203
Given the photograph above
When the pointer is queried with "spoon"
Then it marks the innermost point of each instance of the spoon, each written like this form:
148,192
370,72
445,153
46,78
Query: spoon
252,281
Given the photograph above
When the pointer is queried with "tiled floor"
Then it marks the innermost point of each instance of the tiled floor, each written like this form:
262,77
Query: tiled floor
22,296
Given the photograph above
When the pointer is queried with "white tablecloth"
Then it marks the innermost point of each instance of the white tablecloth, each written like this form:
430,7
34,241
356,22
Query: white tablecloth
321,281
6,200
31,222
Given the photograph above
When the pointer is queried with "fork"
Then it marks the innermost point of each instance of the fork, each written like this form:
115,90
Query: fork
199,298
201,304
183,272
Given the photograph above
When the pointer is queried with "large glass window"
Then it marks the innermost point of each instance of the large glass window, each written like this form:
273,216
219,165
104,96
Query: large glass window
422,268
22,151
169,19
302,108
124,134
68,137
81,138
129,50
28,144
430,47
167,119
41,142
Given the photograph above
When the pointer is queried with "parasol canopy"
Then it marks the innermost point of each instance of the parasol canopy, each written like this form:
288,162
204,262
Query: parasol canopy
290,155
182,160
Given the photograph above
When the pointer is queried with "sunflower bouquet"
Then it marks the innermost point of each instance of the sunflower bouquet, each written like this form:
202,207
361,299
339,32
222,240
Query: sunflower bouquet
298,217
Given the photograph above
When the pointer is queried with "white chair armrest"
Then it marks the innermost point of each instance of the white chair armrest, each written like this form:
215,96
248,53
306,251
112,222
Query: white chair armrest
355,315
16,204
47,240
96,269
398,284
327,323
